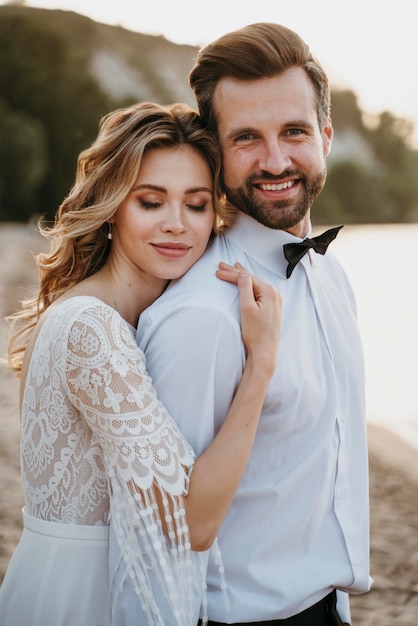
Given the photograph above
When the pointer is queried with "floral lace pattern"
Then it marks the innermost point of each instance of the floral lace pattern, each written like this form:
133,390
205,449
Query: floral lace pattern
92,426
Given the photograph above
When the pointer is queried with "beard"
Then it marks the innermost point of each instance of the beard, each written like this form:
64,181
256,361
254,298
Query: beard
277,214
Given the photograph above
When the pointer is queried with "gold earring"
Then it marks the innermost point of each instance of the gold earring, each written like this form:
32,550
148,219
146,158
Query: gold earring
109,234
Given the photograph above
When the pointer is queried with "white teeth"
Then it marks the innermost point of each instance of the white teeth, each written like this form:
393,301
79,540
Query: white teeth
277,187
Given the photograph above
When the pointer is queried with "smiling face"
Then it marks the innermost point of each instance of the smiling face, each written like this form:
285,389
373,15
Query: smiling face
273,149
163,226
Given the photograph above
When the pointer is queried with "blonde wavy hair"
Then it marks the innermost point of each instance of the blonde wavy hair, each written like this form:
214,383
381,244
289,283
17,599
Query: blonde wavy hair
106,172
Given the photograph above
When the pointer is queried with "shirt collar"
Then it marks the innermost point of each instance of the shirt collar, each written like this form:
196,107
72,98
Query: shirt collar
264,244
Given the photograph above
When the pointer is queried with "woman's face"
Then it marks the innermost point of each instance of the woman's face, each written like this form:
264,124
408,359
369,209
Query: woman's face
163,226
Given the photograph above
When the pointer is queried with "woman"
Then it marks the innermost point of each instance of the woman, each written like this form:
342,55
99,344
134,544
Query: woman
95,440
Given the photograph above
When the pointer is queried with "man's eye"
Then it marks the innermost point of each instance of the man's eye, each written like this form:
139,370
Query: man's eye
245,137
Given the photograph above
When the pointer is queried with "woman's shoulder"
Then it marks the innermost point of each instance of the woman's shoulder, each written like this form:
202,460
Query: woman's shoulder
64,312
62,316
85,330
89,311
76,303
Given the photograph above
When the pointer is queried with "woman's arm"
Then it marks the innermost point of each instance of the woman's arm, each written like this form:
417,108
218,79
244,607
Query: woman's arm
143,447
146,457
218,471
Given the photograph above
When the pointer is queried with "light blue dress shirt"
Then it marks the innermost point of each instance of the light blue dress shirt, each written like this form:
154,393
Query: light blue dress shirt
299,524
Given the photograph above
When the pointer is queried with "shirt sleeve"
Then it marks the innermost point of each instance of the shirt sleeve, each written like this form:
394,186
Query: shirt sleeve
343,606
198,380
146,457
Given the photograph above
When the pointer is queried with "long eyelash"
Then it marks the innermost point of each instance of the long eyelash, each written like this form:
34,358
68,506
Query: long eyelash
197,207
149,205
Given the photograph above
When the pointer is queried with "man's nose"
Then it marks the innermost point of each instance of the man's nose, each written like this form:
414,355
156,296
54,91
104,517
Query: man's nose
274,157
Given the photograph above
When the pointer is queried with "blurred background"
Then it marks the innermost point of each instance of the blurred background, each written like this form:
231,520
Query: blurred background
60,71
65,63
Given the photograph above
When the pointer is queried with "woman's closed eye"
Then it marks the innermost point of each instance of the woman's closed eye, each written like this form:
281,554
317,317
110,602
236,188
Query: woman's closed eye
150,205
197,207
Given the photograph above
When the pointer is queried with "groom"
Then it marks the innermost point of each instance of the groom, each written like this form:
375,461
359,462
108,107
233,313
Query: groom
295,542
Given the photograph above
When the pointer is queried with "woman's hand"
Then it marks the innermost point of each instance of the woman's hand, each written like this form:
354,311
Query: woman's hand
261,313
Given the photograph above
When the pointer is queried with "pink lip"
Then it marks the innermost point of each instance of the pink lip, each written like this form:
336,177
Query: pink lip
171,249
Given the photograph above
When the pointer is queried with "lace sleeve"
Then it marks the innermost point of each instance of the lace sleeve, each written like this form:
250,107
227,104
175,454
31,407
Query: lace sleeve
147,459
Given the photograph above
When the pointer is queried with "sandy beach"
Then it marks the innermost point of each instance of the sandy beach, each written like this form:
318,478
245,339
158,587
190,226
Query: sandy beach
393,600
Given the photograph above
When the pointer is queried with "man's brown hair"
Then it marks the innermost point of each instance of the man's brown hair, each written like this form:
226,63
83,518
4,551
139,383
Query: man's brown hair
256,51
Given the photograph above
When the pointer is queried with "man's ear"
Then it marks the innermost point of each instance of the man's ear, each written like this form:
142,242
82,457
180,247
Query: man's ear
327,135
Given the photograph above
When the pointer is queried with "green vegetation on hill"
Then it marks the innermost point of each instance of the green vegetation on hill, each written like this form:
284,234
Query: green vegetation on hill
61,72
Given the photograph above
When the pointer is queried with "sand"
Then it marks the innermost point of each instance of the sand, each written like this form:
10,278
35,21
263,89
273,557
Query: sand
393,600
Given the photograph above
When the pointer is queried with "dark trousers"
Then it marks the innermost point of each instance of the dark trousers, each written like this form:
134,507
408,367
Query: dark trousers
323,613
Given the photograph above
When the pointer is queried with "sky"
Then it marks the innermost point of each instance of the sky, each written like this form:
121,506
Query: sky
369,46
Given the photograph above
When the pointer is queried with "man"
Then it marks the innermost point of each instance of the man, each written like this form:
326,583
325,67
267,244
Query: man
298,527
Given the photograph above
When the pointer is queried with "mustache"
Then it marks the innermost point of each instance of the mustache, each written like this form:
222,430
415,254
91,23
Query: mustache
268,176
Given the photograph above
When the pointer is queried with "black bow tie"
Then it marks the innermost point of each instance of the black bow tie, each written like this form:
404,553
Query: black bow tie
295,251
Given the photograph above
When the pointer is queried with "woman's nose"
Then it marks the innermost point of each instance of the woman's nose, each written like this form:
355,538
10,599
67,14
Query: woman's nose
174,220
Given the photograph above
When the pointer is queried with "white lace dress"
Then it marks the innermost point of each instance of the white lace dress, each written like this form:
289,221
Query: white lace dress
93,432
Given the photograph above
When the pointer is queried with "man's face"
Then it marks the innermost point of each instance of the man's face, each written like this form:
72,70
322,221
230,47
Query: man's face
273,149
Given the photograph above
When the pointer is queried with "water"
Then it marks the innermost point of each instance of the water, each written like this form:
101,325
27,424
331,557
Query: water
382,264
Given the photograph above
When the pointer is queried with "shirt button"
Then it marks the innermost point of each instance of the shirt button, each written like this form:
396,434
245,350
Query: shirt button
356,560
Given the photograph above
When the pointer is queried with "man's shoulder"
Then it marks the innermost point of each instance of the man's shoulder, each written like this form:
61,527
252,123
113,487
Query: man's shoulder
199,301
200,287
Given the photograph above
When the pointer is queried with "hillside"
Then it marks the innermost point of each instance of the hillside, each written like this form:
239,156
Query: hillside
61,71
126,64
